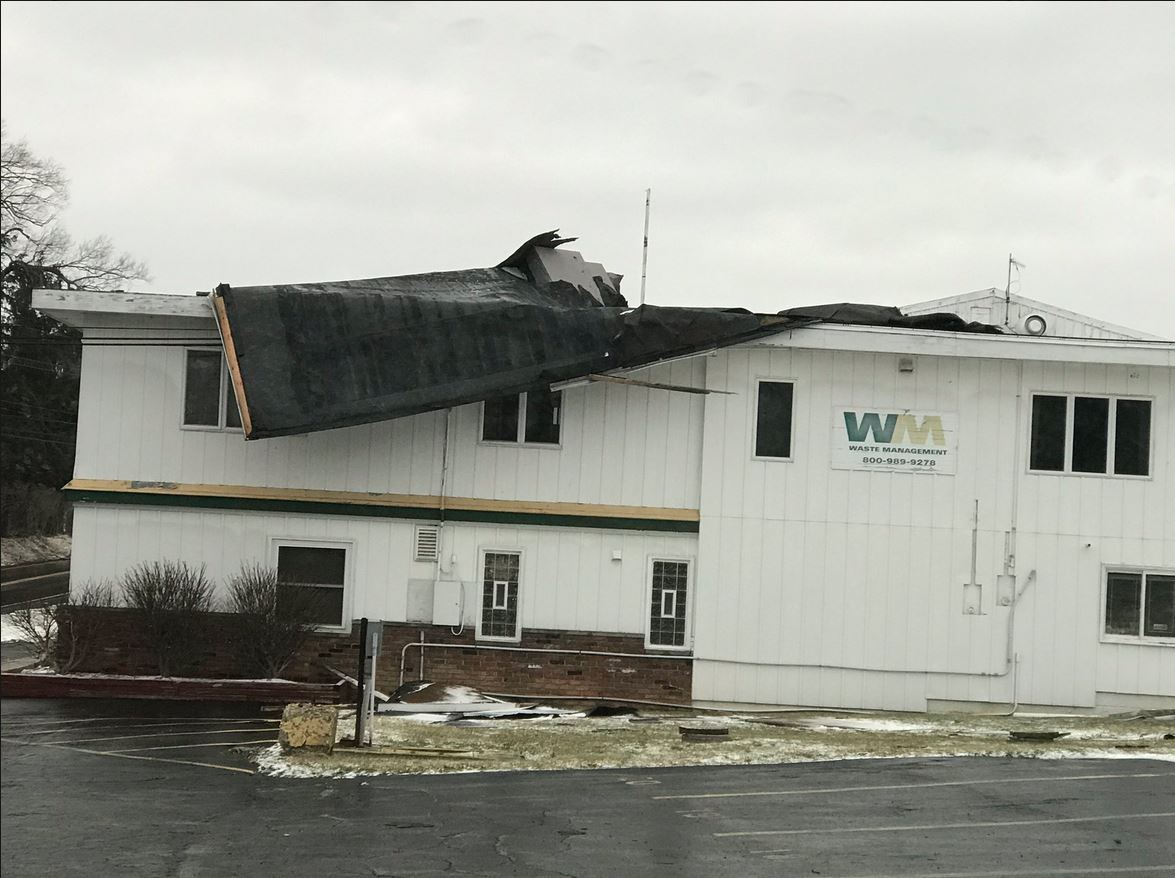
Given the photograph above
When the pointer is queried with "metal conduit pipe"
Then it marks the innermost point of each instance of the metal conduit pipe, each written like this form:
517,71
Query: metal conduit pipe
528,649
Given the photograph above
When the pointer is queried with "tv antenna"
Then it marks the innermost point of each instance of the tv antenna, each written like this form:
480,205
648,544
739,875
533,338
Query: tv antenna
645,250
1012,263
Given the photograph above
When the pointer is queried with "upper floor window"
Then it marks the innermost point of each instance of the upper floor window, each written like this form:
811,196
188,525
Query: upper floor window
531,418
1140,604
1090,434
773,419
209,401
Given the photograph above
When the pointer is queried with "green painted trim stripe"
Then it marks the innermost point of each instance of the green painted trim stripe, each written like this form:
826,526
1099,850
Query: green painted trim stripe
319,507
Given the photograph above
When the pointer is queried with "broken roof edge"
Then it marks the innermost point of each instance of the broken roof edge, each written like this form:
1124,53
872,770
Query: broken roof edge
72,306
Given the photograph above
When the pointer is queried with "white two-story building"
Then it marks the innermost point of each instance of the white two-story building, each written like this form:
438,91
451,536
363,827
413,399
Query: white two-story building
828,510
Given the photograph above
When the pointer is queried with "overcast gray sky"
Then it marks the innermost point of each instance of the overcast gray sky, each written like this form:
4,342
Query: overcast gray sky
797,153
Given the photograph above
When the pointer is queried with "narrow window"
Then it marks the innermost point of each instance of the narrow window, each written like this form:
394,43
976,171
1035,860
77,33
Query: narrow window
1047,450
1159,620
499,596
667,616
1123,599
773,419
499,419
542,416
1091,423
320,570
1132,437
202,389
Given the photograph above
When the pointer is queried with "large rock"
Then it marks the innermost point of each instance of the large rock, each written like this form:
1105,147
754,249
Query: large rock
308,727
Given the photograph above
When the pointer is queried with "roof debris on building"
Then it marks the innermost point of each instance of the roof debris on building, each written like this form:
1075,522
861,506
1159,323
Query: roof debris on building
317,356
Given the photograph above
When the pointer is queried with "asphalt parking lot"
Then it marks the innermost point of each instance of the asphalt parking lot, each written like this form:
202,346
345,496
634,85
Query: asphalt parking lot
92,788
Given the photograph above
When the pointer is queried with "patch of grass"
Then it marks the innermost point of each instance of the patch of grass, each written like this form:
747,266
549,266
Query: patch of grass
615,742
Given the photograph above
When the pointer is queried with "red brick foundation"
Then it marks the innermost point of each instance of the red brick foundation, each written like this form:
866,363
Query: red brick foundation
119,648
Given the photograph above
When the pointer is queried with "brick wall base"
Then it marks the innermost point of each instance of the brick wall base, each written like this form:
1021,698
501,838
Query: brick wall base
117,647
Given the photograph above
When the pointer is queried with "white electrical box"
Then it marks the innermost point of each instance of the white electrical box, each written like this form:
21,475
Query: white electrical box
972,599
447,603
1005,589
420,601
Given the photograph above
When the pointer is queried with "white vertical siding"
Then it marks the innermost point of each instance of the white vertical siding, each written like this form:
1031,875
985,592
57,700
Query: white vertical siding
832,587
569,578
620,445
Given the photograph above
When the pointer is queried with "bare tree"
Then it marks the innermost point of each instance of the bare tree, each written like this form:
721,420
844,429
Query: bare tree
37,250
38,628
271,619
78,623
66,645
39,357
173,601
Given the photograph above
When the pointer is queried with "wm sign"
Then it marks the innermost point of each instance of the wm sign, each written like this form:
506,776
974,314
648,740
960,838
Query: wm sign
893,441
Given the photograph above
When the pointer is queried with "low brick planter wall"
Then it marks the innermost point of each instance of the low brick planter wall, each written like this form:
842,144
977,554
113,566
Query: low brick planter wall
119,648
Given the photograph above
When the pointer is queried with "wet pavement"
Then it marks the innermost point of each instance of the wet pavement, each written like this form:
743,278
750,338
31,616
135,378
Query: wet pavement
165,789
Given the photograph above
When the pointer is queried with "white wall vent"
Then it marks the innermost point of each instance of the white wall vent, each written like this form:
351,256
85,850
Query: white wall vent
427,542
1034,324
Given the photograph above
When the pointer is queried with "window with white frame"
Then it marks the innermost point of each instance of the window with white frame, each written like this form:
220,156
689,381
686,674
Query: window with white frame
773,419
1100,435
499,618
1140,604
209,400
669,604
530,418
320,570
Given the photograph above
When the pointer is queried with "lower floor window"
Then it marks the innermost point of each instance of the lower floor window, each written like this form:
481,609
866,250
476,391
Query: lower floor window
499,596
318,571
1140,604
670,598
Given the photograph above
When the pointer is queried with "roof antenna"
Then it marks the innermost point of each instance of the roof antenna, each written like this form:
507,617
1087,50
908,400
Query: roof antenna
645,251
1008,289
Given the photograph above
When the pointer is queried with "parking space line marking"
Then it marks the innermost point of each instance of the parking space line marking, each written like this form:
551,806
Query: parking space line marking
1033,873
982,824
236,731
913,786
128,755
162,720
62,731
190,746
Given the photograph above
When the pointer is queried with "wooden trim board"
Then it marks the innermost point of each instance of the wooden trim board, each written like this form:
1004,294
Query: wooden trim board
407,506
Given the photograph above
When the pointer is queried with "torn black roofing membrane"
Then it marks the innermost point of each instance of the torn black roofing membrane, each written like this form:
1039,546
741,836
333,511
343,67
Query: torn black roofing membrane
309,357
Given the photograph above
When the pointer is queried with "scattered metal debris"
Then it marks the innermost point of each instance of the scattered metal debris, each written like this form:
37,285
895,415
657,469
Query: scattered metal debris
1027,735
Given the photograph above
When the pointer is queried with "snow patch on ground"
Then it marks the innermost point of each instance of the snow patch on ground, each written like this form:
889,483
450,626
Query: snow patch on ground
9,633
652,741
22,550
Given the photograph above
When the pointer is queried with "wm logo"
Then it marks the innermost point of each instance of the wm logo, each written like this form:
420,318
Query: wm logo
895,429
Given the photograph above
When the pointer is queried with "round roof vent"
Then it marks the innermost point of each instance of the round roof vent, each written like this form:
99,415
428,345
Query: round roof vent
1034,324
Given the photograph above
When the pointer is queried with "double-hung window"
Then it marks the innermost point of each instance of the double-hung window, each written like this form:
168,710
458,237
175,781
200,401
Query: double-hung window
669,595
1140,605
319,570
773,419
1103,435
498,618
209,401
530,418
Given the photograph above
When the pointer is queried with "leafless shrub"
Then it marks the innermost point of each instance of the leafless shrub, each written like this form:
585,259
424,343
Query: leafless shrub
173,600
78,623
271,619
38,628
